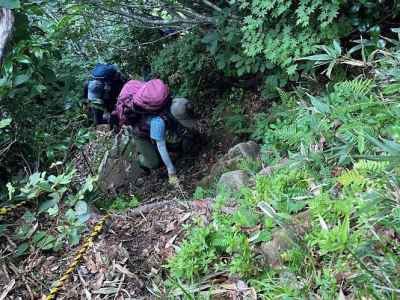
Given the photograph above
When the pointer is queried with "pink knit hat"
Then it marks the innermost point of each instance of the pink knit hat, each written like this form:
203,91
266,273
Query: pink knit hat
151,95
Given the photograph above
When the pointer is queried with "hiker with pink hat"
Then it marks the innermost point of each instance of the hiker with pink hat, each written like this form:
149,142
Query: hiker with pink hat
156,120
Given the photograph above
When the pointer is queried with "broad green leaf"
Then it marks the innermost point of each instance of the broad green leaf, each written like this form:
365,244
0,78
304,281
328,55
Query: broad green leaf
337,47
29,217
23,231
295,206
24,59
5,122
73,237
318,105
45,186
81,208
38,236
20,79
390,147
47,242
245,217
317,57
38,53
22,249
70,215
45,205
50,153
261,236
8,67
10,4
5,82
83,218
56,196
330,68
53,211
89,184
34,178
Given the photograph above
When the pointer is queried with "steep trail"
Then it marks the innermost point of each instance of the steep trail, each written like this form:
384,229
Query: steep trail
128,258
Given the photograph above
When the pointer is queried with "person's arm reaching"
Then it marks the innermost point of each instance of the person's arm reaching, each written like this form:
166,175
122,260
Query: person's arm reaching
157,133
162,149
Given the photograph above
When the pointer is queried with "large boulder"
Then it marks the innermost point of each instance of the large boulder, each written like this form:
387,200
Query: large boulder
230,161
234,180
119,166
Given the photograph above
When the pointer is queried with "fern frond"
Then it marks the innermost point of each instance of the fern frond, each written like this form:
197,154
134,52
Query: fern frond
221,240
357,87
285,97
370,167
352,177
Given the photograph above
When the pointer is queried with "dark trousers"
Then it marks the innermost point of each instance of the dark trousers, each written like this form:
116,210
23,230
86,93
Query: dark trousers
97,116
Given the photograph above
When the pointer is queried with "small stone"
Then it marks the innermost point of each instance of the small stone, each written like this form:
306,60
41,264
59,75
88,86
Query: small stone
267,171
235,180
249,150
273,249
242,286
289,279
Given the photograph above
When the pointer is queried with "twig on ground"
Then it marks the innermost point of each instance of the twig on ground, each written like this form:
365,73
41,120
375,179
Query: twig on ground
120,286
28,288
146,208
3,266
7,289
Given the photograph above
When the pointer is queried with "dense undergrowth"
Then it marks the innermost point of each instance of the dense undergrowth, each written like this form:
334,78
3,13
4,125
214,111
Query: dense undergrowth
326,74
343,148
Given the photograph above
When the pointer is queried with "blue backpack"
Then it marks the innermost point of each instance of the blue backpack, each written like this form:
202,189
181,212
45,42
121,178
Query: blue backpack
104,72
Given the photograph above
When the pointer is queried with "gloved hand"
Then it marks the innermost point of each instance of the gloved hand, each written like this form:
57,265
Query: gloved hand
173,180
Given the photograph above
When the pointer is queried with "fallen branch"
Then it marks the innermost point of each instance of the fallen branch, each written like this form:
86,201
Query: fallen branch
7,289
144,209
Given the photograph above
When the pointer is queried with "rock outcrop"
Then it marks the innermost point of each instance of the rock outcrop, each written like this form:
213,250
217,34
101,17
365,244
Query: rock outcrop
230,161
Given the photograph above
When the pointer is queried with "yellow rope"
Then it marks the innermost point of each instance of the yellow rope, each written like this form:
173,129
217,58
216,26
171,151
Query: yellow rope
6,210
78,257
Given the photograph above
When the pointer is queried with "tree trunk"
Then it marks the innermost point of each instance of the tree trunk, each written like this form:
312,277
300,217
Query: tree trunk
6,25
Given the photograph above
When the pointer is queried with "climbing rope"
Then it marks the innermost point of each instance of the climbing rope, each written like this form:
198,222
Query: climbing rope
6,210
78,257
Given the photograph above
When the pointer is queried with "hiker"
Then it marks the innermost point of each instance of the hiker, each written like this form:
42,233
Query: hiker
155,120
102,91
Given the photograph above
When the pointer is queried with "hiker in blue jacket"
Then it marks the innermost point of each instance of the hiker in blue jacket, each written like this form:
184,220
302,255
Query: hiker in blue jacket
102,91
158,123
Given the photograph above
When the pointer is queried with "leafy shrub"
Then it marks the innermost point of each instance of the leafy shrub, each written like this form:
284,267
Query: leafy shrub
67,210
184,65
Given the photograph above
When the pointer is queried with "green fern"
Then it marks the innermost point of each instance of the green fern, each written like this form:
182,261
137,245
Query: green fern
285,97
370,167
357,88
352,178
222,240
